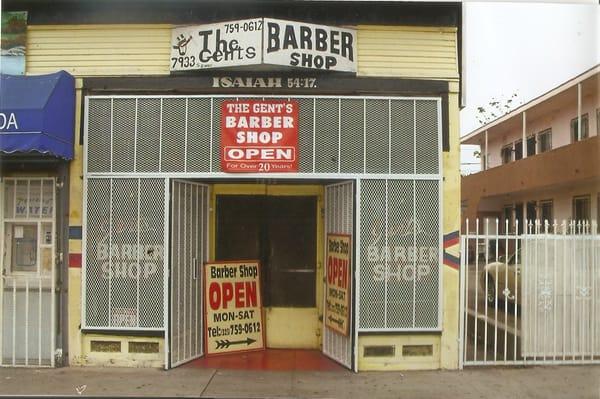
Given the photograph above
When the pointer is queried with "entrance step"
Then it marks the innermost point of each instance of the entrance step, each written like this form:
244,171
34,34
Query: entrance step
271,360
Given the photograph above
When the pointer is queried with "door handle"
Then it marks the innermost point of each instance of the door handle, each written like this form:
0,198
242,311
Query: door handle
195,269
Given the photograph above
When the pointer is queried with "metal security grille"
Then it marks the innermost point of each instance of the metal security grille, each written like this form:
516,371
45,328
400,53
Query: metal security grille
339,218
400,257
124,254
189,251
337,135
391,148
28,272
530,298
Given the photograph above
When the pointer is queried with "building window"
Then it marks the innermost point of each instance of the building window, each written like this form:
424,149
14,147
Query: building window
584,128
581,208
545,141
506,154
531,145
547,211
531,212
518,150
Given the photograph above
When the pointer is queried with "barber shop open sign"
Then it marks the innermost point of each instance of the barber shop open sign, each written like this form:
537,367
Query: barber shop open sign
233,307
259,136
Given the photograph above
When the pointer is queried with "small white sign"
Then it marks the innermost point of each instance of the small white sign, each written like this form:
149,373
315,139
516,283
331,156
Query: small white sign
302,45
19,232
216,45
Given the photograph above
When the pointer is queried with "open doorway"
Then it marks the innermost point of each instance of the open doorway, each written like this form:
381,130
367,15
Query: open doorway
284,227
278,226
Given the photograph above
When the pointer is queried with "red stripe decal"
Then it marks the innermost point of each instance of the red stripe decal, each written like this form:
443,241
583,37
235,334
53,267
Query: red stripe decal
74,260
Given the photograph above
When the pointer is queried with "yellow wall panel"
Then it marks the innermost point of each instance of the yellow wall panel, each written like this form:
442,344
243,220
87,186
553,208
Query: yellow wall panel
95,50
409,52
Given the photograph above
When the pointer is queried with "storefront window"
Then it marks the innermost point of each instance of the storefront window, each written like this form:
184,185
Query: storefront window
24,248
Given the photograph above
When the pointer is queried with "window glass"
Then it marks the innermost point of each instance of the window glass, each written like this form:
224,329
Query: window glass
518,150
581,208
47,205
21,200
545,140
9,198
24,248
530,146
506,153
546,210
584,128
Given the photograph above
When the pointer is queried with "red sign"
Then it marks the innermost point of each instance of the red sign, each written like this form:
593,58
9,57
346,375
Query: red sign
233,307
259,136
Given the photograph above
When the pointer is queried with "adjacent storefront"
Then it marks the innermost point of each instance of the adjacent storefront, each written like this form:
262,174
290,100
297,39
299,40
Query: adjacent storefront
36,144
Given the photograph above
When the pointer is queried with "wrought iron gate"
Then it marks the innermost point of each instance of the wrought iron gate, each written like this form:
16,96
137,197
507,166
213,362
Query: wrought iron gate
339,218
189,249
532,298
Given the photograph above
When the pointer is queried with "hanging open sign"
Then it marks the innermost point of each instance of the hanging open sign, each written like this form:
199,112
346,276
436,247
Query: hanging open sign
259,136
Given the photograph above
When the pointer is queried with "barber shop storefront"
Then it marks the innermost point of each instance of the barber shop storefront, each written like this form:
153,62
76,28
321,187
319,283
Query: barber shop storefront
247,186
36,144
282,208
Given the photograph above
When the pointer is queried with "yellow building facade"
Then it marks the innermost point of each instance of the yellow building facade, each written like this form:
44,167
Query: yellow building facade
125,64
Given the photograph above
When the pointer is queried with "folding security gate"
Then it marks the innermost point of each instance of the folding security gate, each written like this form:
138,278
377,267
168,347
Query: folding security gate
189,249
339,218
28,272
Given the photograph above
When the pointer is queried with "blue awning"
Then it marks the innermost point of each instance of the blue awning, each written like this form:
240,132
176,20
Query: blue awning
37,114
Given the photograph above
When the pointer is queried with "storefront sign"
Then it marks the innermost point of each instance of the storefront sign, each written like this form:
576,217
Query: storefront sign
339,278
227,82
233,307
311,46
263,41
400,262
259,136
216,45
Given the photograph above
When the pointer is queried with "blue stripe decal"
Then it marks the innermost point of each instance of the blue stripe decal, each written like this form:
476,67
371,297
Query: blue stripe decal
75,233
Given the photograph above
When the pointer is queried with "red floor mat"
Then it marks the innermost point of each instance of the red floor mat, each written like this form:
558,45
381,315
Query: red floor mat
270,359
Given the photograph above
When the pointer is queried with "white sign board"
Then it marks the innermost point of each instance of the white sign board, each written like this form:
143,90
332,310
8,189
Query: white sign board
263,41
216,45
311,46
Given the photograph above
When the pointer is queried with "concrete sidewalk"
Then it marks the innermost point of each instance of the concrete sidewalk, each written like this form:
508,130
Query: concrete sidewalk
577,382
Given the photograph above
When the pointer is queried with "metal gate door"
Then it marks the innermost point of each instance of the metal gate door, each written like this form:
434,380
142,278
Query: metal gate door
189,249
339,218
28,272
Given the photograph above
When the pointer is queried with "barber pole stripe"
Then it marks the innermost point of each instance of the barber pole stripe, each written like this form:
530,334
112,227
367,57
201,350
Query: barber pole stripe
75,260
451,239
451,260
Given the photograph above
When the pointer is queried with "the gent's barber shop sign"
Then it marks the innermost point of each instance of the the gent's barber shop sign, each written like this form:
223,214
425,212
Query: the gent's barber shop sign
263,41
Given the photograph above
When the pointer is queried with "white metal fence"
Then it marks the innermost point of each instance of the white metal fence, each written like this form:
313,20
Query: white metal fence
530,298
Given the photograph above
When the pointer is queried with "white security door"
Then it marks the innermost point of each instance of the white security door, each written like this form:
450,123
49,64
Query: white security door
339,219
27,272
189,250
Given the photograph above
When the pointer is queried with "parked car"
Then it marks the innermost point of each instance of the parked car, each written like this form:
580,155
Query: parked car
503,280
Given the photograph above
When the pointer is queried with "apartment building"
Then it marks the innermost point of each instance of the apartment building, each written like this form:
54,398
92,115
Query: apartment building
540,161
